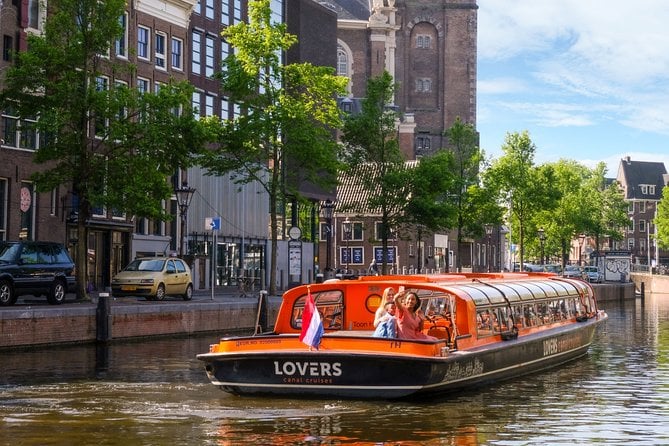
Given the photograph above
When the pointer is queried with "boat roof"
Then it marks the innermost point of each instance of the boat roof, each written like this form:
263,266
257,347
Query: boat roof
481,289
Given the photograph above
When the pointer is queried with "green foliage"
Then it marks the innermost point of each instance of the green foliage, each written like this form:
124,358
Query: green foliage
283,135
370,140
523,187
139,140
430,202
662,219
475,204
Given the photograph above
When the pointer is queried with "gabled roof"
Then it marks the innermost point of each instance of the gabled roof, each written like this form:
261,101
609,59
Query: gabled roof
352,195
633,175
348,9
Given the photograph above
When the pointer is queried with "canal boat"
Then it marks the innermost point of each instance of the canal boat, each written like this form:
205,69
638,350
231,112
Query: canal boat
482,328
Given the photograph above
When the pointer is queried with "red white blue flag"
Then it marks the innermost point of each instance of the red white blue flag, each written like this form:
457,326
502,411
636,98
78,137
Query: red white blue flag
312,325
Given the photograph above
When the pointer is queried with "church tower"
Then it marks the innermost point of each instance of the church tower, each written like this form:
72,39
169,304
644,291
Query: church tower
428,46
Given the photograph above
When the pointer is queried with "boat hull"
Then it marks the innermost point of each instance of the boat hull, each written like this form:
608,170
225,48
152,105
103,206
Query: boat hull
330,373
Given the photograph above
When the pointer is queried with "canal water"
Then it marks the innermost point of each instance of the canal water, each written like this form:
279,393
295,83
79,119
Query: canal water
156,393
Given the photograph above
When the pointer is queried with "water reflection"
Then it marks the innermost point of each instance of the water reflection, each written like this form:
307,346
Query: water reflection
156,393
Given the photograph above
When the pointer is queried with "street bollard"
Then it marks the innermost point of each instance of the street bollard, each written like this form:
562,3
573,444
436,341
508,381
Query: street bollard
103,318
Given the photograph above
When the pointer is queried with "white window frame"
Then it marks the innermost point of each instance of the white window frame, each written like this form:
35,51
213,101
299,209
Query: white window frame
160,54
196,102
196,52
143,47
209,10
102,83
209,104
143,85
121,45
209,59
225,12
177,53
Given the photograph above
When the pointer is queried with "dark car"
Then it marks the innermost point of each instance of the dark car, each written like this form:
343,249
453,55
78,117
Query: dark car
37,268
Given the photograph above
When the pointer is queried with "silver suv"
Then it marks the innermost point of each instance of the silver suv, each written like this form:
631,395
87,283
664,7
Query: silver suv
37,268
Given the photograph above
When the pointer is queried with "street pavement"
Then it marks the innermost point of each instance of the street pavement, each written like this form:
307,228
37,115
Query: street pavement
222,294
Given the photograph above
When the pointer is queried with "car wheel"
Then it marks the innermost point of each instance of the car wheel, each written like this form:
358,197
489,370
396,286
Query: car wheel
57,294
189,293
160,292
6,293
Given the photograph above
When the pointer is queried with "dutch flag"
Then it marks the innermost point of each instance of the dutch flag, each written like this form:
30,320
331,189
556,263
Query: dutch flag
312,326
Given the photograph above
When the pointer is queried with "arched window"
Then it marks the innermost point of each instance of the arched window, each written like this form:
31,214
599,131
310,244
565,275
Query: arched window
344,63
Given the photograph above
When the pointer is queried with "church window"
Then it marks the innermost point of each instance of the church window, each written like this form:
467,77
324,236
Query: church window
423,41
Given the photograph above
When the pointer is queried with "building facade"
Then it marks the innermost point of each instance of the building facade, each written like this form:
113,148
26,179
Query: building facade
642,183
429,48
155,42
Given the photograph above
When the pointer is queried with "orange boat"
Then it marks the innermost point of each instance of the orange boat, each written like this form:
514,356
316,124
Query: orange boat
488,327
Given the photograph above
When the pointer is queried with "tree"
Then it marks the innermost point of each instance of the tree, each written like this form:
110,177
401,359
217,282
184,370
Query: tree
475,206
520,184
115,145
431,183
572,209
662,219
607,212
284,132
371,144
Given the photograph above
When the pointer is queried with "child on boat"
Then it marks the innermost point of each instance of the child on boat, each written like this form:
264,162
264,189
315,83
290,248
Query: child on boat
384,318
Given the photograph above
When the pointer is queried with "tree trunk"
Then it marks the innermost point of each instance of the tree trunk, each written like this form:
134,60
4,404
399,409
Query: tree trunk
82,252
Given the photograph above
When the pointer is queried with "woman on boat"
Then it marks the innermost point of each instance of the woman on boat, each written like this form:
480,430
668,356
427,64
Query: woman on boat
409,320
384,318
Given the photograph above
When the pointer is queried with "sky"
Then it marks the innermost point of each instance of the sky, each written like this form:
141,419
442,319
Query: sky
588,79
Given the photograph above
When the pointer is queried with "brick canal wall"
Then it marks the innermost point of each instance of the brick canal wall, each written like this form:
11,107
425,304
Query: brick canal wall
78,323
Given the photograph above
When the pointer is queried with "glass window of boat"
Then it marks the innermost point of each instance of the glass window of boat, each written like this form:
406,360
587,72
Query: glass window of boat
328,303
481,294
496,320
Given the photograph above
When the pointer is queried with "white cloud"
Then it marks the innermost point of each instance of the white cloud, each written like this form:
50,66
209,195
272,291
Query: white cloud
616,40
502,85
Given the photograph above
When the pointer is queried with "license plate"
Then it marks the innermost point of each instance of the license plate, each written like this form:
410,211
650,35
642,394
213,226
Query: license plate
128,288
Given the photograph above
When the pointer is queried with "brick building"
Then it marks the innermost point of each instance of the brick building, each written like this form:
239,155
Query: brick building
429,48
642,183
155,42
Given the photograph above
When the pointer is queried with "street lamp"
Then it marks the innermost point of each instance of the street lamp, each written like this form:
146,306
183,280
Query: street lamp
346,227
327,209
488,232
184,196
581,239
542,238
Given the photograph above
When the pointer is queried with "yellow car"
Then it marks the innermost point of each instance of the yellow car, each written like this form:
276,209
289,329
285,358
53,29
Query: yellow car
154,278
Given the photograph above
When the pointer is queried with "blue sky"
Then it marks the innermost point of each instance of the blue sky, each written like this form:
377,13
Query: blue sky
588,79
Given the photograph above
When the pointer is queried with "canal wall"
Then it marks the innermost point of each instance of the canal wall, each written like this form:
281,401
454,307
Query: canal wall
651,283
613,291
25,326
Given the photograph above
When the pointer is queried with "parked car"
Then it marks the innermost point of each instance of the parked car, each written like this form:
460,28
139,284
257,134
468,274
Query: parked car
154,278
574,272
35,268
593,274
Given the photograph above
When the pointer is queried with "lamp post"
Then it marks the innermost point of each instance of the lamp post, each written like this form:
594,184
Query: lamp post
581,239
542,238
488,232
346,227
327,209
184,196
